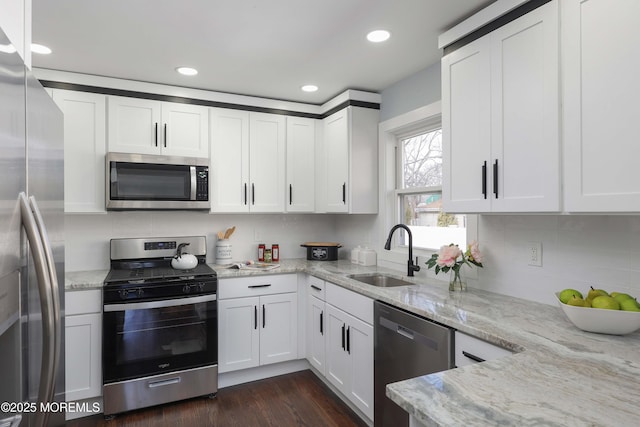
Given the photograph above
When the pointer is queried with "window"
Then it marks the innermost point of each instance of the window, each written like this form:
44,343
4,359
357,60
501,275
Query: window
419,191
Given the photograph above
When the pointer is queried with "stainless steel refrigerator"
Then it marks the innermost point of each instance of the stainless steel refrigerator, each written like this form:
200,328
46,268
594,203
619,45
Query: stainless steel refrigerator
31,248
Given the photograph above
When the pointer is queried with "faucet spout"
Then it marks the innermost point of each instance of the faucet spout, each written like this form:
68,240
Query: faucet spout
411,267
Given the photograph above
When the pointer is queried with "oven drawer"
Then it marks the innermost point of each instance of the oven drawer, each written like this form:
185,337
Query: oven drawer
239,287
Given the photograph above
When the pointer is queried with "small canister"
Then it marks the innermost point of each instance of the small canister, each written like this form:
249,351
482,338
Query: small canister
367,257
355,252
261,248
223,251
267,255
275,253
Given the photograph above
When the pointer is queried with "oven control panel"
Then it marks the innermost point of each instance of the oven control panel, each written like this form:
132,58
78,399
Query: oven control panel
151,292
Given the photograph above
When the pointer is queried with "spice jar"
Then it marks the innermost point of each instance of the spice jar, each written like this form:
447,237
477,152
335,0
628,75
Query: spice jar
261,247
275,253
267,255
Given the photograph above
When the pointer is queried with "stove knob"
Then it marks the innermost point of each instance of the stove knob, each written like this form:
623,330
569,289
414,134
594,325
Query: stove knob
201,286
140,292
123,293
186,289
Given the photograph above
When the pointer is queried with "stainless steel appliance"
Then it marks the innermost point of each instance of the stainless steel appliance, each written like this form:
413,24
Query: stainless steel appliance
405,346
160,325
137,181
31,261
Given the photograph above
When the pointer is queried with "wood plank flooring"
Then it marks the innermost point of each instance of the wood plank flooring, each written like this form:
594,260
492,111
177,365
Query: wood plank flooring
298,399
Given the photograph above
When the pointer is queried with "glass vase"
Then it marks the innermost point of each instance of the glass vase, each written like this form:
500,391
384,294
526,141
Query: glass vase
455,282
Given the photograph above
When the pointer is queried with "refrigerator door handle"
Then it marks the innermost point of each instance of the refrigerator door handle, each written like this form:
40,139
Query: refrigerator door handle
53,278
46,388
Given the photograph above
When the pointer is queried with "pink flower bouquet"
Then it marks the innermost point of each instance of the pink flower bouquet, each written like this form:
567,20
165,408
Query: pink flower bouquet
451,258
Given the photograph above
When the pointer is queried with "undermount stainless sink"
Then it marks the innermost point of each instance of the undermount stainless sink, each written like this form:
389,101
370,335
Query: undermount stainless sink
380,280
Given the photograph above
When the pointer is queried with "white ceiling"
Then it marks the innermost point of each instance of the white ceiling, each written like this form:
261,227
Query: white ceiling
265,48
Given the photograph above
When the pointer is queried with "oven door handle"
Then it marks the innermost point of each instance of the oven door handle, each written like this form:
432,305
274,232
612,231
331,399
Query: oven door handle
159,304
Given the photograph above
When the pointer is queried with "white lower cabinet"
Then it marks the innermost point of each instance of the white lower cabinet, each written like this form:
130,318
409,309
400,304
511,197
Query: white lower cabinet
83,344
316,324
470,350
349,346
257,321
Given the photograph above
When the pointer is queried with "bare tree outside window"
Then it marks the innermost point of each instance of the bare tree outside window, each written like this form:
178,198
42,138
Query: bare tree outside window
420,192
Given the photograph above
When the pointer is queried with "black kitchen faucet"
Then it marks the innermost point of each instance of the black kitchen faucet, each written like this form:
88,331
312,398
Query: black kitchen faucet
411,267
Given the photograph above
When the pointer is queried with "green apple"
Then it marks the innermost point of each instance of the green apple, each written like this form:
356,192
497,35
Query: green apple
629,304
567,294
606,302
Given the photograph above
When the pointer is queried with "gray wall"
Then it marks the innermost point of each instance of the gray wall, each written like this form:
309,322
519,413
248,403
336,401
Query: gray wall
417,90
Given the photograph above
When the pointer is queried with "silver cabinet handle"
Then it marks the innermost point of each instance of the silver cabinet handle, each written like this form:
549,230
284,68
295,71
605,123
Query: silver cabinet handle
47,370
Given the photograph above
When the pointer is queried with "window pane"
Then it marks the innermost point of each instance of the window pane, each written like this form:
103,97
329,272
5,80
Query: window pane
430,226
422,160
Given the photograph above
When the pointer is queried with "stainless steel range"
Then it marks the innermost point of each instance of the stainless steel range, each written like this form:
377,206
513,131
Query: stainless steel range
160,325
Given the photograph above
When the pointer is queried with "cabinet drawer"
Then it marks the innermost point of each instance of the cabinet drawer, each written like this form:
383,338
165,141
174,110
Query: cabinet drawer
257,285
350,302
475,348
315,287
82,302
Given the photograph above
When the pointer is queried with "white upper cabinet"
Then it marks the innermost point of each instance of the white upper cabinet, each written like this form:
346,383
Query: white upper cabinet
301,143
348,178
229,171
84,150
152,127
600,91
267,162
501,119
247,161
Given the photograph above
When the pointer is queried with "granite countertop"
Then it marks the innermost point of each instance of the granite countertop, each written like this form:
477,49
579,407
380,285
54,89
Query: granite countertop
559,375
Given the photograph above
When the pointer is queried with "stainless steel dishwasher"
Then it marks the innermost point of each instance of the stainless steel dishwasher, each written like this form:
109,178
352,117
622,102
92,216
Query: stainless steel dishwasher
405,346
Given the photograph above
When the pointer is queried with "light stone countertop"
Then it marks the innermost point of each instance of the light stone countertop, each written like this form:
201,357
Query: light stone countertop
559,376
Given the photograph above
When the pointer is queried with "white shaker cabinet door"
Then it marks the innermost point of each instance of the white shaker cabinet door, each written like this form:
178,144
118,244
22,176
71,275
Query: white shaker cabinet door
134,125
466,132
336,173
316,330
84,150
83,356
279,329
185,130
238,334
229,171
301,145
525,113
267,162
601,65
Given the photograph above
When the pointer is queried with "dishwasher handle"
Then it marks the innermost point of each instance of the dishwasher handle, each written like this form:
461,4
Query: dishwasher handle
408,333
405,332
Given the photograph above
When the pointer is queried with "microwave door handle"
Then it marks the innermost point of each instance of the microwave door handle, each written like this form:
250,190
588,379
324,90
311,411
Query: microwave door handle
46,389
193,182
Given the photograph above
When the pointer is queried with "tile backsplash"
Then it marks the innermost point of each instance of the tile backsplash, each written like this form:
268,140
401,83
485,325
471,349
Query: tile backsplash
577,252
87,236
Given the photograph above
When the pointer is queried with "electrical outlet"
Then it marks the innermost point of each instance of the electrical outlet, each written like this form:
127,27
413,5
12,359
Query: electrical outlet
257,236
535,253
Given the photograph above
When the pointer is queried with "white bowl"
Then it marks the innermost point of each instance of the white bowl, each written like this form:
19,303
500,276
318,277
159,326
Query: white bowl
602,321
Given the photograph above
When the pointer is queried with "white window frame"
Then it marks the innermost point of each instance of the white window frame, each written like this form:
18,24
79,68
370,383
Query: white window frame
389,132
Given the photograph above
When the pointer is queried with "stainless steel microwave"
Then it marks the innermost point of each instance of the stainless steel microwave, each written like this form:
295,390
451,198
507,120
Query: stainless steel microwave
139,181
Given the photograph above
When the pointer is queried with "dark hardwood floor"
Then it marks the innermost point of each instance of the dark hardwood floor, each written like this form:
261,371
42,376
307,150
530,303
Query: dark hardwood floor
298,399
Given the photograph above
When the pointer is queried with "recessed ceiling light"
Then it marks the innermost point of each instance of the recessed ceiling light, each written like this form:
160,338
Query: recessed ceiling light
309,88
187,71
378,36
39,48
